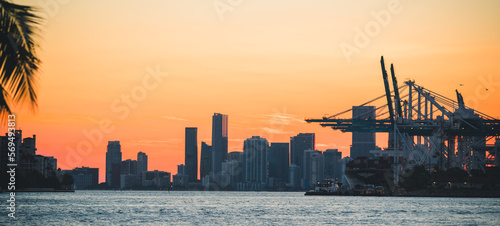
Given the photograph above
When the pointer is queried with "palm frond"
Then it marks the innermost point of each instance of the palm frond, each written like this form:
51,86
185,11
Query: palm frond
18,60
4,106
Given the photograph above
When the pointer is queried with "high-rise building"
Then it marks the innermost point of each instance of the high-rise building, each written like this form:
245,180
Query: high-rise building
191,153
4,160
156,178
235,155
85,177
233,167
333,164
313,166
256,149
362,142
113,164
181,179
46,165
181,169
219,142
298,144
142,163
129,167
278,159
293,177
205,159
128,181
29,145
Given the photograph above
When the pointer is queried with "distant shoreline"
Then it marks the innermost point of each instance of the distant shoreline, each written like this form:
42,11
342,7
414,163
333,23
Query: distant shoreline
39,190
421,193
453,193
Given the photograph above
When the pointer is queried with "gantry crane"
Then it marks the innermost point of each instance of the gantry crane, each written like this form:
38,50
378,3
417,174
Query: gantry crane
425,124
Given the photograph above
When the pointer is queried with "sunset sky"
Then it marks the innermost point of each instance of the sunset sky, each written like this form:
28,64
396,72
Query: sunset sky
266,64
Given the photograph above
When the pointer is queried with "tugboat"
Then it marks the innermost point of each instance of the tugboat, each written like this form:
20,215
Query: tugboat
326,187
371,190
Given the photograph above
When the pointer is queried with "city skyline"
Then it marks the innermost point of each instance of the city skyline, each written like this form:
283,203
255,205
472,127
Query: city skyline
245,66
270,161
258,112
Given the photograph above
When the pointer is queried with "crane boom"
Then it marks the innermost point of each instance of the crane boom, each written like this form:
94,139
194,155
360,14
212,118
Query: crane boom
397,102
387,90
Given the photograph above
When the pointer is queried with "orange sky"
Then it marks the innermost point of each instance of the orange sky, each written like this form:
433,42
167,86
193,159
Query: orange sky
268,65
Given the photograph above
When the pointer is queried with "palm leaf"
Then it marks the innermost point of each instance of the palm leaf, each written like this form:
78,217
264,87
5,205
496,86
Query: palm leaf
18,60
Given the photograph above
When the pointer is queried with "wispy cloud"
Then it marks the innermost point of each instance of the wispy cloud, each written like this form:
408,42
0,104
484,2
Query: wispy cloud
167,117
274,131
236,140
279,118
326,145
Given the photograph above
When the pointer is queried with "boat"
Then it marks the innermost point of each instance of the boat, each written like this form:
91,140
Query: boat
326,187
371,190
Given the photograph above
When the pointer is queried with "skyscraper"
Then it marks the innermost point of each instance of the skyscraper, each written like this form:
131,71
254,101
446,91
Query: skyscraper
181,179
113,163
233,167
293,177
313,168
191,153
298,144
206,159
129,167
219,142
142,163
362,142
85,177
333,164
255,150
279,161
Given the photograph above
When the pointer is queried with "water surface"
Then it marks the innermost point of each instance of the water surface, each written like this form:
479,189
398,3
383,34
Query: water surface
254,208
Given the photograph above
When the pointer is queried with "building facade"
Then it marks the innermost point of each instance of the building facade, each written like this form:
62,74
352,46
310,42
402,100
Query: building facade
156,178
219,142
142,162
333,164
113,163
84,177
129,167
278,159
256,151
205,159
362,142
313,168
298,144
181,179
191,153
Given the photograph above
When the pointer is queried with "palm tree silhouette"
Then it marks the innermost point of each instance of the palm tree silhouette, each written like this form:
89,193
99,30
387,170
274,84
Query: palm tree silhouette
18,60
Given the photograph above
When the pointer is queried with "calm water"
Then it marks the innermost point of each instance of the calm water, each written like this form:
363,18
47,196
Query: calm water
249,208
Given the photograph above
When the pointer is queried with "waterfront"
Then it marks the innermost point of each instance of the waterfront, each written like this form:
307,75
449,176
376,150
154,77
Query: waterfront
237,208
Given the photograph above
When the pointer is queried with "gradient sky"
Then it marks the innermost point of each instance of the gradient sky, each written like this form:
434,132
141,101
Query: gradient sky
268,65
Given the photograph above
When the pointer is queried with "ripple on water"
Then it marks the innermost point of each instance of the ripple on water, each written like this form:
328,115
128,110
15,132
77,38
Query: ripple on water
252,208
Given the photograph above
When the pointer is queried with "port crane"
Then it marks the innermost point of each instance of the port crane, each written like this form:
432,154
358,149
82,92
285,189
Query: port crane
425,128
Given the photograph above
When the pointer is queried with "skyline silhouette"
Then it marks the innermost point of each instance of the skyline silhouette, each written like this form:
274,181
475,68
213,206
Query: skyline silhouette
145,76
